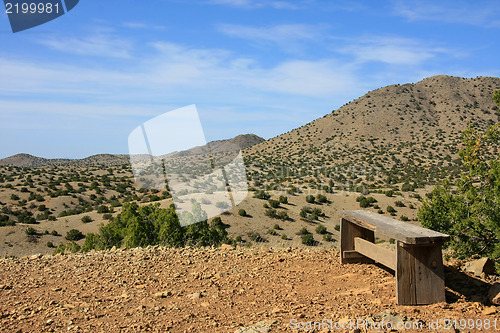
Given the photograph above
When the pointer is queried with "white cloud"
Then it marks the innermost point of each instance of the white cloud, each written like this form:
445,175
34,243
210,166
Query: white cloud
257,4
142,26
481,12
96,45
289,37
391,50
276,33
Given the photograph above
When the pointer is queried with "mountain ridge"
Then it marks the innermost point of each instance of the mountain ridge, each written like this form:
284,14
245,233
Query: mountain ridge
28,160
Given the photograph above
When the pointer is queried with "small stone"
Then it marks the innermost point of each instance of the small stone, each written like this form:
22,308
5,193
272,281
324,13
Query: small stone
489,311
480,266
196,295
162,294
49,322
226,247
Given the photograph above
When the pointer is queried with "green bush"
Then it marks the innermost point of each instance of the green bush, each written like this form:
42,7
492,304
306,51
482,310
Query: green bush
70,247
337,227
321,198
277,227
103,209
256,237
86,219
303,231
310,198
242,212
74,235
30,231
272,232
284,237
283,199
261,195
399,203
404,218
327,237
274,203
391,209
321,229
308,239
50,244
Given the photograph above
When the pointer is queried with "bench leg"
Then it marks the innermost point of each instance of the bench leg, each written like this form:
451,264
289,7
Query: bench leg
348,231
419,274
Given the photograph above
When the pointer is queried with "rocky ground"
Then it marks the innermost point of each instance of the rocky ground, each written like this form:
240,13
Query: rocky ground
217,290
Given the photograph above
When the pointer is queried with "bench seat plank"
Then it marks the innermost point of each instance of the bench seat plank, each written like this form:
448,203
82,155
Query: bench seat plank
389,227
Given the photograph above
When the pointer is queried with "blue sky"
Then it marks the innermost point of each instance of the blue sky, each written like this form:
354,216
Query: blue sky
80,84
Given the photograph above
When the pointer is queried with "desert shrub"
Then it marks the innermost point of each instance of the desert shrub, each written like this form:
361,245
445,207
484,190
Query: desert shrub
272,213
86,219
70,247
337,227
308,239
327,237
363,203
283,199
222,205
316,212
74,235
277,227
303,231
107,216
274,203
256,237
5,221
390,209
404,218
310,198
321,229
272,232
282,215
30,231
102,209
262,195
380,211
321,198
284,237
242,212
54,233
399,203
50,244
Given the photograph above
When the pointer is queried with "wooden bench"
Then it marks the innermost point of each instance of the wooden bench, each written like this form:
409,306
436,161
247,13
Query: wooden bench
417,261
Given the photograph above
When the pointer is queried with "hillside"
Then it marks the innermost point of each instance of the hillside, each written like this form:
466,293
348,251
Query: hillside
397,132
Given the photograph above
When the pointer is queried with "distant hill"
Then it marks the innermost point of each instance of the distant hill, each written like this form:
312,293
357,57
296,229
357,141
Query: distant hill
415,126
242,141
27,160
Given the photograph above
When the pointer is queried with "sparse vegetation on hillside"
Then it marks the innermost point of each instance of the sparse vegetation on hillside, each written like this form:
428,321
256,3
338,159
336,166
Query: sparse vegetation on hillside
471,213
